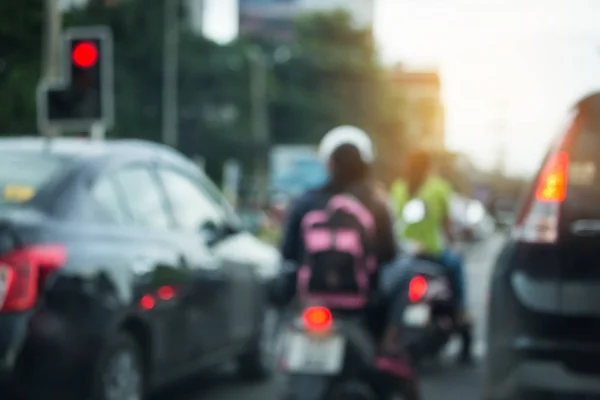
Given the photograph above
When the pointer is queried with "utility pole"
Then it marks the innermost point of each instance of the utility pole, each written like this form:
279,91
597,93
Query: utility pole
51,48
259,104
500,134
170,95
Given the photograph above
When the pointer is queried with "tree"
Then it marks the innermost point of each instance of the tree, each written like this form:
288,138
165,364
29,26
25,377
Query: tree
328,81
20,64
333,78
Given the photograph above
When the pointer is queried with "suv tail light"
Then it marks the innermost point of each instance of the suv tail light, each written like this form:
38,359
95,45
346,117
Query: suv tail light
539,223
539,220
24,271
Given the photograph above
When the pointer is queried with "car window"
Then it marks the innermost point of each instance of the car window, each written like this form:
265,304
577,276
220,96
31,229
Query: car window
106,194
143,197
23,173
192,206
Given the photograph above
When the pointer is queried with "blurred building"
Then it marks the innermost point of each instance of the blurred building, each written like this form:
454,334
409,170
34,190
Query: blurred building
362,11
195,15
423,111
64,5
274,19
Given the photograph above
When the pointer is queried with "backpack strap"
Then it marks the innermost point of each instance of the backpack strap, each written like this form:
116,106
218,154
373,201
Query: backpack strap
350,204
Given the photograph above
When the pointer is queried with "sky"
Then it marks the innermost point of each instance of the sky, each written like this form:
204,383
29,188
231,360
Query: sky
510,68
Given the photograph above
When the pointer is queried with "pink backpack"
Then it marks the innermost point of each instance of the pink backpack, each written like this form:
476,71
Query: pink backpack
339,243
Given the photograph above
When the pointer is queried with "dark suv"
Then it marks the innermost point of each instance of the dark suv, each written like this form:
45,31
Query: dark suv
544,311
121,269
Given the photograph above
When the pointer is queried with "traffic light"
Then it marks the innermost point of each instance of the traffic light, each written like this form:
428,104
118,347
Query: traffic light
85,96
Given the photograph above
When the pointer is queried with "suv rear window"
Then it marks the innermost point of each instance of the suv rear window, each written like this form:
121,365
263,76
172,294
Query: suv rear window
22,174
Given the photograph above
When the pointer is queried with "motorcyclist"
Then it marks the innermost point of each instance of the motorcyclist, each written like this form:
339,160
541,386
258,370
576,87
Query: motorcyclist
348,154
433,234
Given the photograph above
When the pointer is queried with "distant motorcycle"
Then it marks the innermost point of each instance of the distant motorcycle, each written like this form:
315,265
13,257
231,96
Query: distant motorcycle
428,315
329,355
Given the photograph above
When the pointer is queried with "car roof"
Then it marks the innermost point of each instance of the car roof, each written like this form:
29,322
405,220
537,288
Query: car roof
83,147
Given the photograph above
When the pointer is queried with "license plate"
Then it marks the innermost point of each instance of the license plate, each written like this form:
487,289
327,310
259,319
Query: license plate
417,315
318,355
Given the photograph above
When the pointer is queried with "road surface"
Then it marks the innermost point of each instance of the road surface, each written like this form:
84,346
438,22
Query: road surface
438,382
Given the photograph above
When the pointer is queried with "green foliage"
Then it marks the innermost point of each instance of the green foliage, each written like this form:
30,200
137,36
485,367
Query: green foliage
334,78
20,62
331,79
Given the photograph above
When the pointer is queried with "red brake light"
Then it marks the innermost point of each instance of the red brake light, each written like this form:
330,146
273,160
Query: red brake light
540,219
147,302
317,318
417,288
26,270
166,293
552,183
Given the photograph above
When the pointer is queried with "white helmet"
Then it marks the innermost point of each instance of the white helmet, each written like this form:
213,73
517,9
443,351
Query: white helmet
346,134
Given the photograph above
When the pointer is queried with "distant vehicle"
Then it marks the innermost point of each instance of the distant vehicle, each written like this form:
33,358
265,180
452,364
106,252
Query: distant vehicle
470,220
428,316
121,269
503,211
544,311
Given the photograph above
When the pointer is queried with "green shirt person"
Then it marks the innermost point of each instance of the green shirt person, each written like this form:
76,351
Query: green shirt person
431,231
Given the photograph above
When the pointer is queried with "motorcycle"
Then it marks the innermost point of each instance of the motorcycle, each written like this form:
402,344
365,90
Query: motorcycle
428,315
330,355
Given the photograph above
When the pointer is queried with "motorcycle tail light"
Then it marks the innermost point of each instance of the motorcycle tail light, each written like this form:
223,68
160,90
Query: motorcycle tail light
317,318
417,289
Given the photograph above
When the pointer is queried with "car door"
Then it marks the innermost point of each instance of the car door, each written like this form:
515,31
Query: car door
238,250
198,224
131,194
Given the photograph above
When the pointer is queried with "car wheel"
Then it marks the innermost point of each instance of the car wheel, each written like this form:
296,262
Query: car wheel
119,374
258,362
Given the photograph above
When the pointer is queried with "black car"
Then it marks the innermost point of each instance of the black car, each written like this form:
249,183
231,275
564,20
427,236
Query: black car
544,311
122,269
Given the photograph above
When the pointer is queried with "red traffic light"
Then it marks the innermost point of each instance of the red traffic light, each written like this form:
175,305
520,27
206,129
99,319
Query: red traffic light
85,55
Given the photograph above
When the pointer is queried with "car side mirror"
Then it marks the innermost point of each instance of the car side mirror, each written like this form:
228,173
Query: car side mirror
234,225
210,232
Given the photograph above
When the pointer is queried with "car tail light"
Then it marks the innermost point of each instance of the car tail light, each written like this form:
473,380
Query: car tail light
317,318
417,288
539,223
25,270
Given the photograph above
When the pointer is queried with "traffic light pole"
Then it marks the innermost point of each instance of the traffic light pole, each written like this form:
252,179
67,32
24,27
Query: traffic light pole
170,73
51,56
98,132
51,40
259,104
